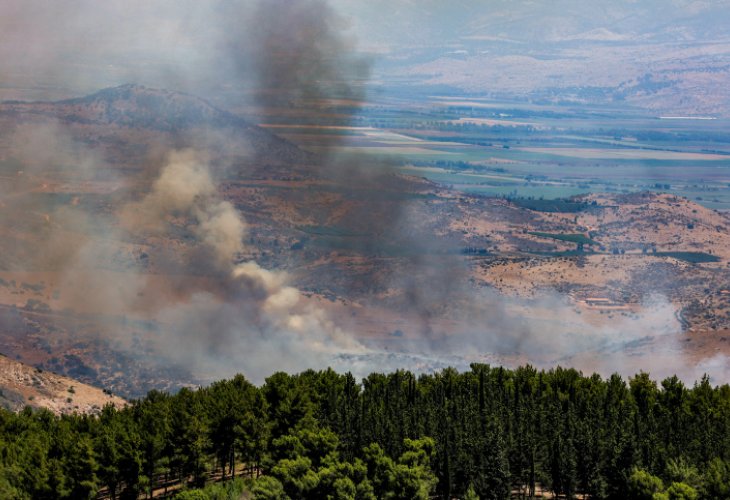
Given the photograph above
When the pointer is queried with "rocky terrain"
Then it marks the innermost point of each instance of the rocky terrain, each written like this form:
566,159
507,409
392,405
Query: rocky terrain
23,385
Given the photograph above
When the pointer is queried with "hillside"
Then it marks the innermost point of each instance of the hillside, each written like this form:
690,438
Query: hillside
22,385
433,22
127,125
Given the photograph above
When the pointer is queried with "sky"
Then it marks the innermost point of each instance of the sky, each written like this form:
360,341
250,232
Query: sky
78,46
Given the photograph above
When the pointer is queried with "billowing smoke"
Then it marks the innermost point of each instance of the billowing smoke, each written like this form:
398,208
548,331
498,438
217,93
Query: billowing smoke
296,50
549,331
300,54
243,317
186,189
249,317
225,314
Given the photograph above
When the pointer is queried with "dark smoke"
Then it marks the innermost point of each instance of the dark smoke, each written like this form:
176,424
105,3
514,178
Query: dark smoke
301,57
305,65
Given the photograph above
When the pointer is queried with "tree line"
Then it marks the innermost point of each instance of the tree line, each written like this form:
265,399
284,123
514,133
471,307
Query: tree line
487,433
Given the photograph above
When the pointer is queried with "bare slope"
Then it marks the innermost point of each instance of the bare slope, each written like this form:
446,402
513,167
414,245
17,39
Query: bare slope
22,385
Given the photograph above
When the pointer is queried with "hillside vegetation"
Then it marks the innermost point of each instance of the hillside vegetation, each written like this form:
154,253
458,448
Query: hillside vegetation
489,431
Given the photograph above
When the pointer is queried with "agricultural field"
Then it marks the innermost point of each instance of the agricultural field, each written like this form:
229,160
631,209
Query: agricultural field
522,149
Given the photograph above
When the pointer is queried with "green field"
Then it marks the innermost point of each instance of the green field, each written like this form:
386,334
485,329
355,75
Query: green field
691,257
556,205
577,238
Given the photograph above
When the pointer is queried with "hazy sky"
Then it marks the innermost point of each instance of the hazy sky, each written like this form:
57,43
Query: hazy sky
82,45
78,46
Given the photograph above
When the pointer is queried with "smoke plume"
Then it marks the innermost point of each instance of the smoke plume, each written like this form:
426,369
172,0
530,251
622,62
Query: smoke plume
300,53
186,189
251,317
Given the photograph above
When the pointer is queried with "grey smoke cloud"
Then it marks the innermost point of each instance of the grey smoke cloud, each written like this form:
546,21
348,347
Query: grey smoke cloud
186,188
241,309
237,316
256,319
548,331
300,52
46,147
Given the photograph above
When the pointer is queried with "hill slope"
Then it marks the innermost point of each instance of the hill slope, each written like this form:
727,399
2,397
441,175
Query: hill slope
22,385
129,123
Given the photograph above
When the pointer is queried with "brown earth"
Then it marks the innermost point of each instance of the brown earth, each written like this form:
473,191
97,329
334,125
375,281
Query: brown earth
24,385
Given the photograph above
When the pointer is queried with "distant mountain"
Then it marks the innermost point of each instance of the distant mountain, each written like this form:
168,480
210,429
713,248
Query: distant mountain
183,118
139,106
565,20
132,106
666,56
434,22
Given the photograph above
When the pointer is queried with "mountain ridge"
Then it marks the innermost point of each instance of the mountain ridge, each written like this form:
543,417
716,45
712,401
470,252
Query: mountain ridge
185,118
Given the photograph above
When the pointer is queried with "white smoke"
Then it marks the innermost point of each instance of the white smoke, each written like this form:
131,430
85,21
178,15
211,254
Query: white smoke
253,320
185,188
